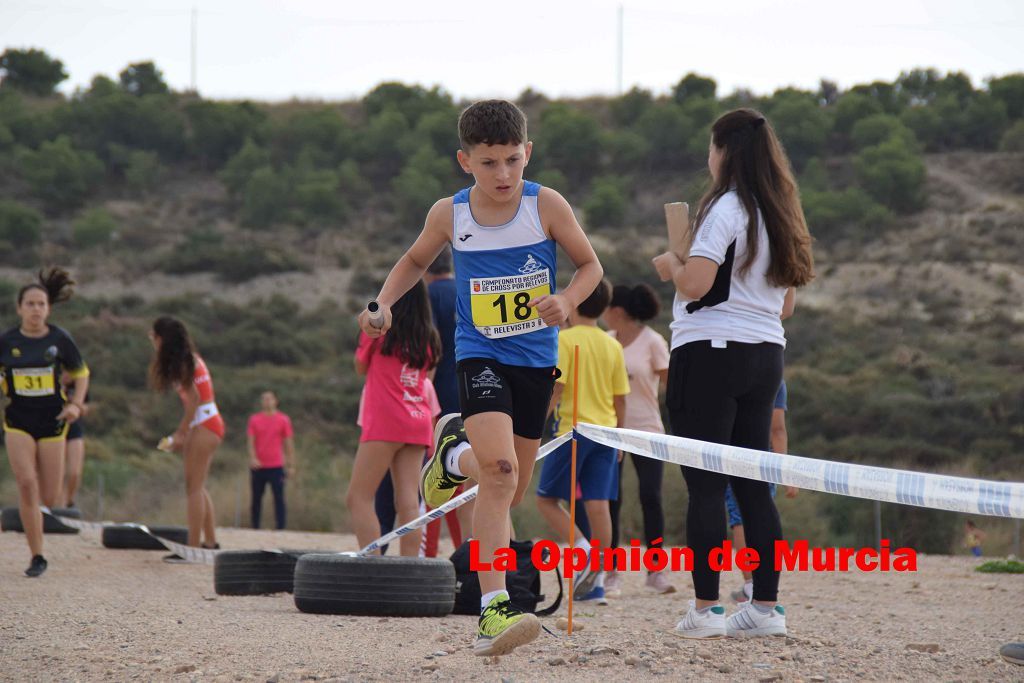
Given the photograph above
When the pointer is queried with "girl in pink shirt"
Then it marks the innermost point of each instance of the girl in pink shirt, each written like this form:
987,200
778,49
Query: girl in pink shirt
647,359
395,416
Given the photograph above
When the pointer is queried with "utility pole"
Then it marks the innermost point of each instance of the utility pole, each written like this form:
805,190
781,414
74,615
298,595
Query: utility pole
618,80
195,47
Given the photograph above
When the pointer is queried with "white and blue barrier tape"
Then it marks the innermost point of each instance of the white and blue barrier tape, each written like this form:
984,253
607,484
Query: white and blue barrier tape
186,552
937,491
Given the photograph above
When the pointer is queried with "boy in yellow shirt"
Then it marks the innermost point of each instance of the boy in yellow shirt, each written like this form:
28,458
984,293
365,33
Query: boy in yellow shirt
603,385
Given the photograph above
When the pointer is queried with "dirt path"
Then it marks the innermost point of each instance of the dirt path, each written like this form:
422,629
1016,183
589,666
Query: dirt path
102,614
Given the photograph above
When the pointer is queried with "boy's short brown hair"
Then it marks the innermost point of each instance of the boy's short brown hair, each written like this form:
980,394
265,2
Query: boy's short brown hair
491,122
595,304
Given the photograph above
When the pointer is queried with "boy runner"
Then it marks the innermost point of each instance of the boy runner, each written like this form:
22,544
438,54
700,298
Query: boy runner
504,232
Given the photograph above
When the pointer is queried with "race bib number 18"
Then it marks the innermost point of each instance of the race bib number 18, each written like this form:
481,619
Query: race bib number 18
500,303
33,381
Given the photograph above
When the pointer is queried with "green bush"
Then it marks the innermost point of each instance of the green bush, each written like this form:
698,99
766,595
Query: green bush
1009,90
1001,567
234,263
143,78
218,129
627,109
877,128
20,225
324,132
802,126
851,108
553,178
847,213
60,175
893,174
983,123
31,71
927,125
607,203
1013,138
571,140
240,167
694,86
94,228
317,195
667,131
265,198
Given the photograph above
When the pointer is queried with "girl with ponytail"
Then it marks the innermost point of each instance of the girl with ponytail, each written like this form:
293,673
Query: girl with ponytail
750,246
33,356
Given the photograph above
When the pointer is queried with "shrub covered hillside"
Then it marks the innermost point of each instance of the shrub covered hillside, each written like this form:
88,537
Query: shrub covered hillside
266,227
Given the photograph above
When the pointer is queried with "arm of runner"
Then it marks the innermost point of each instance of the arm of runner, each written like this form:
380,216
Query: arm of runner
437,232
73,409
561,224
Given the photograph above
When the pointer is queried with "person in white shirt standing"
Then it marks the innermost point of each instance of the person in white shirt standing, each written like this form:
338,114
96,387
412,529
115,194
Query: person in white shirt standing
750,245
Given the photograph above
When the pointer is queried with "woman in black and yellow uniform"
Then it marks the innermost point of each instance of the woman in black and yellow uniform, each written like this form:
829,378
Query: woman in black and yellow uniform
38,413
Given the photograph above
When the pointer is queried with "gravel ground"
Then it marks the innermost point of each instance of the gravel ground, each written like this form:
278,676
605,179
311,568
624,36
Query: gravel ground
101,614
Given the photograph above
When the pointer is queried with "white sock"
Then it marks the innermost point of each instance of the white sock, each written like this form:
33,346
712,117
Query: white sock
451,459
763,609
583,543
748,588
600,580
486,598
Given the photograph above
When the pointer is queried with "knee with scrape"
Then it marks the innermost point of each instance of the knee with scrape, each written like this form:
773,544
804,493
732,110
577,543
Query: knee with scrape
505,467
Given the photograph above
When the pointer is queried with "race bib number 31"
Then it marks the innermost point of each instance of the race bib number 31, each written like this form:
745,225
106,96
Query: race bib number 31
500,303
33,381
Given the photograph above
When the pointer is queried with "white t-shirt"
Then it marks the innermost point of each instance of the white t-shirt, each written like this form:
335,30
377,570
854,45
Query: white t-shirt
646,356
739,307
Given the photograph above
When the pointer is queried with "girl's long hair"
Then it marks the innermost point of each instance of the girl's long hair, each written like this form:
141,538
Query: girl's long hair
174,364
56,282
413,337
756,166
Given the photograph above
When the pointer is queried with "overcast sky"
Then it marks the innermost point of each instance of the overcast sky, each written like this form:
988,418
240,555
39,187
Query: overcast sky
324,49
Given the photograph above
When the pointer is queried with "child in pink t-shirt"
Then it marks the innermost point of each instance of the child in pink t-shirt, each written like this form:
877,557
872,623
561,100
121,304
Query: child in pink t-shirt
395,415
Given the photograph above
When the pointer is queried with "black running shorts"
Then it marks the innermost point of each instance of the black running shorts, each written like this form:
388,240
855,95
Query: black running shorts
487,386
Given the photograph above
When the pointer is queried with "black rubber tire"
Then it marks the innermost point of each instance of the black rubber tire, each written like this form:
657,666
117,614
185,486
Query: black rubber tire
375,586
255,572
123,536
10,520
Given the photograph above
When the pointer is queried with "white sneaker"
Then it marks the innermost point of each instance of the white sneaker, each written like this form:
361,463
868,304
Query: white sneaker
750,622
709,624
612,585
657,582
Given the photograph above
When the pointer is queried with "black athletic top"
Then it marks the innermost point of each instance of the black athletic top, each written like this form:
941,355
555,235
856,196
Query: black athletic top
31,367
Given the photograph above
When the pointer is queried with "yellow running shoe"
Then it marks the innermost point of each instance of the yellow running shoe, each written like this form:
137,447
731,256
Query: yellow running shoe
503,628
437,484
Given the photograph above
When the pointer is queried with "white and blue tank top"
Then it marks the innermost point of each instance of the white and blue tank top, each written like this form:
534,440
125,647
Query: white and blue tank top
498,270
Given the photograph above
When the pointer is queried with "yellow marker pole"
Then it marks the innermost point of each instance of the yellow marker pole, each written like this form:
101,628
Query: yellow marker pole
572,471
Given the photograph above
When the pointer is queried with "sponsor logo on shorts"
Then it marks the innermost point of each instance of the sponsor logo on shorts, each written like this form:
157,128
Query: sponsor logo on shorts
16,352
486,380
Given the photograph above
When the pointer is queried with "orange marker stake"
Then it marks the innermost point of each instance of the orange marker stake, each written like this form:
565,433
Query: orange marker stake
572,475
